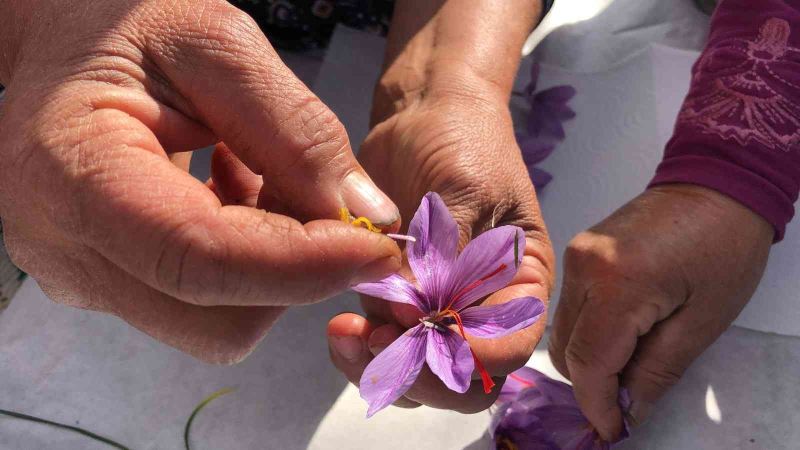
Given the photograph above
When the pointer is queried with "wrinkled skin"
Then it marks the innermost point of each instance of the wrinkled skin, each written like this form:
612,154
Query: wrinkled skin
647,290
463,148
94,195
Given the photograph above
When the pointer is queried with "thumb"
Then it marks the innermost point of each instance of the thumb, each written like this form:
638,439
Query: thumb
272,122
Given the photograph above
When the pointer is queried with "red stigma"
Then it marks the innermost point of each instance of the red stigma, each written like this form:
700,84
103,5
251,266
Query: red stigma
460,294
488,383
521,380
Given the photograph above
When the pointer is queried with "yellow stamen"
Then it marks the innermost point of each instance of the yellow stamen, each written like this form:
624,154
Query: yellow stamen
363,222
344,215
505,443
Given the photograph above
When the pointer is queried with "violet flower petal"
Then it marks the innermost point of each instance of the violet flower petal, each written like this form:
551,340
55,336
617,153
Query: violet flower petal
394,288
542,123
394,370
556,392
539,177
555,94
435,249
486,265
449,357
516,382
495,321
534,149
568,428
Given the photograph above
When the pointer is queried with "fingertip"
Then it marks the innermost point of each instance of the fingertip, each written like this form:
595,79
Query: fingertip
610,426
602,410
349,324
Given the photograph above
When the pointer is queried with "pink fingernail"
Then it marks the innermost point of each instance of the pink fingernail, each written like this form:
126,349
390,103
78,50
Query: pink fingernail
363,198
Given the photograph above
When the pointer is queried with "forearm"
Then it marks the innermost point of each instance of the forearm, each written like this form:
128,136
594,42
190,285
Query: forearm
468,48
739,128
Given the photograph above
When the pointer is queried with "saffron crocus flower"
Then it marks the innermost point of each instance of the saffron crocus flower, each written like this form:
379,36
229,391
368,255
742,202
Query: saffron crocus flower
544,125
447,284
536,412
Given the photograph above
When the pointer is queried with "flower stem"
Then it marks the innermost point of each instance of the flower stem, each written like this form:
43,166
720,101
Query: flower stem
82,431
198,408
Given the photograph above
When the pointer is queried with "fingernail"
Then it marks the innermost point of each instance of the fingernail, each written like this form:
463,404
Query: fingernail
377,348
363,198
639,412
376,270
348,347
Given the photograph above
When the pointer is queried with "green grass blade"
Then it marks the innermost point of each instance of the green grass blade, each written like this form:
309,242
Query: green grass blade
86,433
197,409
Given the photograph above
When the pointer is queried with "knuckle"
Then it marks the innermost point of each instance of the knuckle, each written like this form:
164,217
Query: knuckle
217,29
312,136
658,373
193,266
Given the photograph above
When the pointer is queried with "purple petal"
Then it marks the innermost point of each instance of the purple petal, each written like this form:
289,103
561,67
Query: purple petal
543,123
539,177
568,428
486,265
535,150
393,288
562,112
434,252
496,321
534,123
517,381
394,370
519,427
449,358
555,94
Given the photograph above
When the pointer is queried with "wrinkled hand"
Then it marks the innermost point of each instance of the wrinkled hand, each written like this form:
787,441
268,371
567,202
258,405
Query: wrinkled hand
100,96
647,290
464,149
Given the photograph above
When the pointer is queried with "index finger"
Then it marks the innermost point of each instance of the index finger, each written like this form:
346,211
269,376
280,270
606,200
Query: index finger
602,342
265,114
166,228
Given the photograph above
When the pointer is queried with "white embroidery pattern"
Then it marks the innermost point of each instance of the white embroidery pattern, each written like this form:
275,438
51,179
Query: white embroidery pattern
739,92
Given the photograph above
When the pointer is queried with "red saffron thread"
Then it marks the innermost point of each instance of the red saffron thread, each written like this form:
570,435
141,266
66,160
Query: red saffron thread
473,285
521,380
488,383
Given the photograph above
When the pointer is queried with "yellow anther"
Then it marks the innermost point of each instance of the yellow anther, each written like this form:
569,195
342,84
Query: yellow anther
505,443
363,222
344,215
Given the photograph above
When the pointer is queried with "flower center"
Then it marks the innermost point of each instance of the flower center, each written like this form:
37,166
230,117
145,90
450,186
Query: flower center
504,443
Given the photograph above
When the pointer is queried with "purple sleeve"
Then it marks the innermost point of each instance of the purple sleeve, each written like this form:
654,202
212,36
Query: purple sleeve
738,131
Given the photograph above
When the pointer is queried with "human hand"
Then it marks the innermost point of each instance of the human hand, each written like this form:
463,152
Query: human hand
647,290
463,148
101,96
